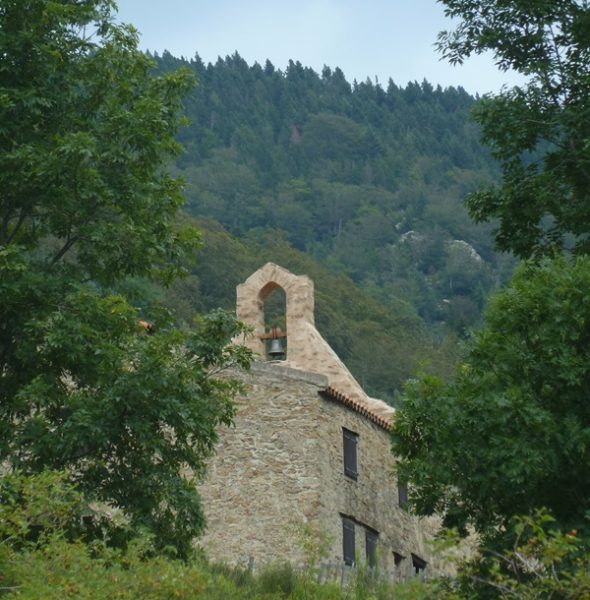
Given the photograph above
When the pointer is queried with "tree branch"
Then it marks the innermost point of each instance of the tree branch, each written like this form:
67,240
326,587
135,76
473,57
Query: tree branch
65,248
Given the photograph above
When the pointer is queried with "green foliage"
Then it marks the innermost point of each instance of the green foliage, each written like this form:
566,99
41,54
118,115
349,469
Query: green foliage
314,543
540,131
32,509
366,181
85,129
542,562
53,565
345,172
381,345
511,432
85,132
127,412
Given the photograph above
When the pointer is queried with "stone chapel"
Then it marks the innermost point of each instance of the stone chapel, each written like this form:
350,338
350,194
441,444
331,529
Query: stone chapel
309,447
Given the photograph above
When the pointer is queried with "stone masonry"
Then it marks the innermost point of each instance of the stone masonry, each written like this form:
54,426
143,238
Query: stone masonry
282,465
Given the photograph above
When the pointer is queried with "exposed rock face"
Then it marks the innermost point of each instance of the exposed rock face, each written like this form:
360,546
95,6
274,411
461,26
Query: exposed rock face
282,466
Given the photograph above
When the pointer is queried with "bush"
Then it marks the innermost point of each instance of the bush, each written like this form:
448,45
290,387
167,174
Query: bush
543,562
43,554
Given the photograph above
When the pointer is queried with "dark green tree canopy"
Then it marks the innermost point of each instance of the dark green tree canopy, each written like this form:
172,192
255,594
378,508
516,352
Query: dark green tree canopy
509,435
85,130
345,172
540,131
511,432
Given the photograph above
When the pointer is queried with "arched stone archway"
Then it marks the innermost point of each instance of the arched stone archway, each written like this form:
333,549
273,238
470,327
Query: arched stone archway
298,299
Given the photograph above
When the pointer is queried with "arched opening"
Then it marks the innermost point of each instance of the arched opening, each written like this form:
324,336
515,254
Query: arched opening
274,302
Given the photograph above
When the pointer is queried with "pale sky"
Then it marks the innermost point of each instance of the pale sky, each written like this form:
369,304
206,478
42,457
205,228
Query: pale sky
370,38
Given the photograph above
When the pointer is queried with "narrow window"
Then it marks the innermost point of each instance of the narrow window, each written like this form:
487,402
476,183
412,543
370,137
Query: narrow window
402,493
418,563
397,559
371,546
350,442
348,547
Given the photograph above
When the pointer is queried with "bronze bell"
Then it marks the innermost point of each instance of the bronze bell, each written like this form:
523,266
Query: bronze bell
276,351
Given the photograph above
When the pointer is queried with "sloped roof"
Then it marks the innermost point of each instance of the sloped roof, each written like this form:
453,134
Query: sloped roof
334,394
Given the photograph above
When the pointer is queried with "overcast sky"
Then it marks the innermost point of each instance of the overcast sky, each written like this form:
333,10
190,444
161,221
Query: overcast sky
365,38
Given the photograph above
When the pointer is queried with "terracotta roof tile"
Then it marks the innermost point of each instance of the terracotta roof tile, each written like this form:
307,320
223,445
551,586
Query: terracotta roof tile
334,394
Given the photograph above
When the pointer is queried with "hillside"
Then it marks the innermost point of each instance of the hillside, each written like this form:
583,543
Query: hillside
365,181
381,346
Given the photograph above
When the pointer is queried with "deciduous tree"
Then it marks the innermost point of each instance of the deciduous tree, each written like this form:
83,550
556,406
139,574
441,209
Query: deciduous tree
511,432
85,130
540,130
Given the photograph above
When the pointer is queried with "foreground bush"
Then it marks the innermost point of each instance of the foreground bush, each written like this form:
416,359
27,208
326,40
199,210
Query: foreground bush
544,562
60,569
45,552
44,555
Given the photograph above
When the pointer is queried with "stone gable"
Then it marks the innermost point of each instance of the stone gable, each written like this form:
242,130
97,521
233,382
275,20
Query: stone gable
307,349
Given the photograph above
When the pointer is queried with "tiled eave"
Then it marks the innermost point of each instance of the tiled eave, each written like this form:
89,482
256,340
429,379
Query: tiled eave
357,407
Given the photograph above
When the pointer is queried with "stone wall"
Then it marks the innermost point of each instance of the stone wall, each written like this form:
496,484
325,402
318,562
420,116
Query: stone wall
372,499
281,466
264,476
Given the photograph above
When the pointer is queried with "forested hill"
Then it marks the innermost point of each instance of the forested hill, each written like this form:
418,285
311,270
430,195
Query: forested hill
367,180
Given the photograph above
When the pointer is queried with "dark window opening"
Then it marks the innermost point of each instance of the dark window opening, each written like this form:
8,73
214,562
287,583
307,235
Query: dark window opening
350,443
397,559
371,546
402,493
348,545
419,564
